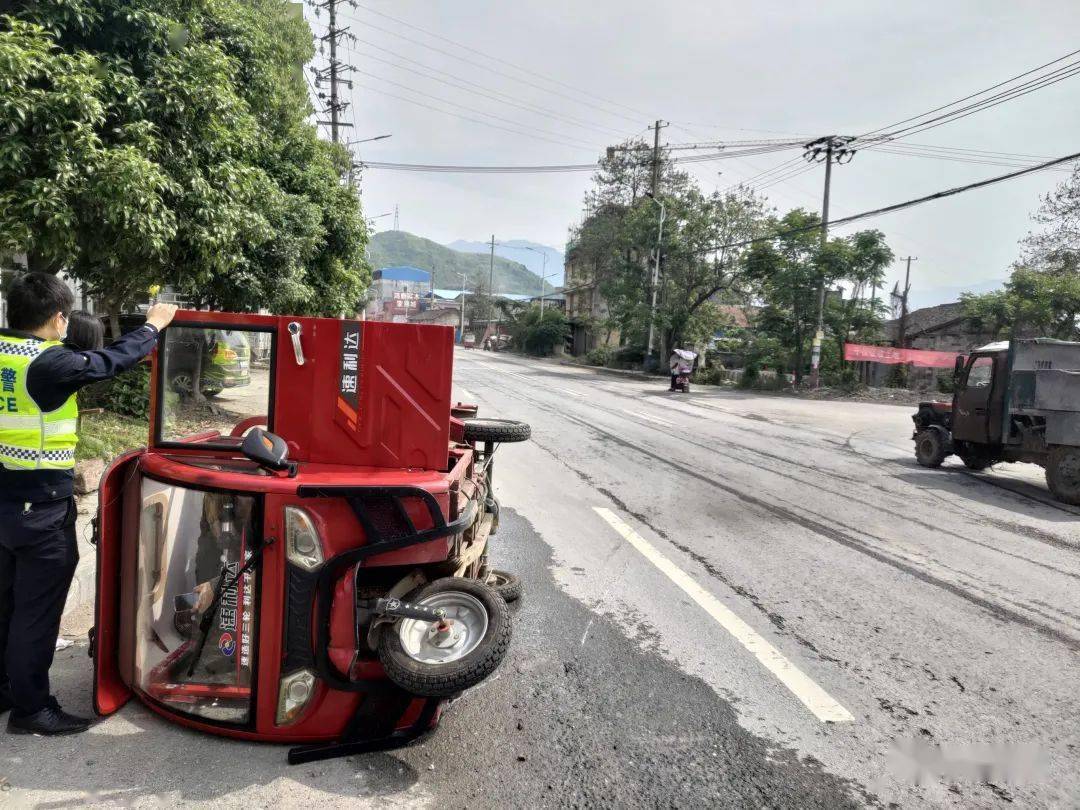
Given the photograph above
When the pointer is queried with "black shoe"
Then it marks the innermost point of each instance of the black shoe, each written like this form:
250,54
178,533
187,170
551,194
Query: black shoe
52,721
5,699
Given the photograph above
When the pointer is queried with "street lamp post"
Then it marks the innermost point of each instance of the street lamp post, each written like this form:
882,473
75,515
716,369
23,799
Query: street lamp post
543,272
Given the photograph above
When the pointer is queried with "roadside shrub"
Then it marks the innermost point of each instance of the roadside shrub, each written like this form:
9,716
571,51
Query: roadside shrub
628,357
539,335
712,375
600,356
127,394
945,382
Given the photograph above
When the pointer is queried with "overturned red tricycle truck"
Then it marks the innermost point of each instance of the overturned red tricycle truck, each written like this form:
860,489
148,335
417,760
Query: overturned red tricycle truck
304,558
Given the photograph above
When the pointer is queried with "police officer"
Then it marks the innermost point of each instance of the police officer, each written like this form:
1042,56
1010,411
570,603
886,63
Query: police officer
39,377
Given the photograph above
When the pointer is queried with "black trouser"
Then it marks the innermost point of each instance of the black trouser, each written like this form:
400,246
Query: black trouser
38,555
674,376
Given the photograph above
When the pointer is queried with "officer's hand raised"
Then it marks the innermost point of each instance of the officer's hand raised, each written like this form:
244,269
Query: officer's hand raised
160,315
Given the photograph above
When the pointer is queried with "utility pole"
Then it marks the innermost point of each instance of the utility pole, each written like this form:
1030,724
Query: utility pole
491,272
830,149
461,330
656,156
334,71
655,282
901,332
397,226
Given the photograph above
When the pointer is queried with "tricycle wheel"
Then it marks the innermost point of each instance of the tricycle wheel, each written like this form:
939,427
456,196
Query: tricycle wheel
496,430
438,659
507,585
1063,474
930,448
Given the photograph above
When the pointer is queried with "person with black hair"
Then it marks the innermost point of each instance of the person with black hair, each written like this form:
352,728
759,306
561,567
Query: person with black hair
39,377
85,332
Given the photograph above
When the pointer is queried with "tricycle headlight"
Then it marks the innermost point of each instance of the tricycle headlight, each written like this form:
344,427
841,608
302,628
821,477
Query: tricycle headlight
294,693
303,547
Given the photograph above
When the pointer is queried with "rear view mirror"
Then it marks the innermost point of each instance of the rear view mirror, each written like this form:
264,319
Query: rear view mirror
268,450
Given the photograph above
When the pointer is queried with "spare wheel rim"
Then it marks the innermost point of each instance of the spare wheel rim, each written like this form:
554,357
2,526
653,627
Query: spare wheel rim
459,633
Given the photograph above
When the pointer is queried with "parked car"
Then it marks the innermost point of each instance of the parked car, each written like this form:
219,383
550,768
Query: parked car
221,358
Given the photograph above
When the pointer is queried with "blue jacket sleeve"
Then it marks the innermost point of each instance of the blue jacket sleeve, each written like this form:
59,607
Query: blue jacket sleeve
59,372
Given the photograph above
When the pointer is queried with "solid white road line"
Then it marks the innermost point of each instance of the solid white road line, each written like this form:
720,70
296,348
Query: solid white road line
465,395
648,418
816,699
571,393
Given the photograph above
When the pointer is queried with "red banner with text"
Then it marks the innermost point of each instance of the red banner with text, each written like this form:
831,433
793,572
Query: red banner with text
857,352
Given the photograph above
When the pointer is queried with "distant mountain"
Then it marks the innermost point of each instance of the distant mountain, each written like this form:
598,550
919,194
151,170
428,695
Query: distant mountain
932,296
513,250
391,248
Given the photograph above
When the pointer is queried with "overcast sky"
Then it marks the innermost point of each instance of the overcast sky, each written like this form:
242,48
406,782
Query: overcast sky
715,70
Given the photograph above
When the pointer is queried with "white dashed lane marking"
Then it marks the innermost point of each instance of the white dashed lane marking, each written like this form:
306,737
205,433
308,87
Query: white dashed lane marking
648,418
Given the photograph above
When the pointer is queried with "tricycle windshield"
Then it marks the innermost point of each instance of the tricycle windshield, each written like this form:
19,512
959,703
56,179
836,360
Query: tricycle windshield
211,380
192,546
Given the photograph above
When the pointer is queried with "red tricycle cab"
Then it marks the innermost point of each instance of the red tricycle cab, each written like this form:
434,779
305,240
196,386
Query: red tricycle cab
302,558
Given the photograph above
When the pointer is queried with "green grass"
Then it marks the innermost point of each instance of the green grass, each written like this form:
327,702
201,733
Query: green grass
107,435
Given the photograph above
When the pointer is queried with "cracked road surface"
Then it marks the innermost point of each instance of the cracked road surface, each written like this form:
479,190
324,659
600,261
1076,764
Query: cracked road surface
707,576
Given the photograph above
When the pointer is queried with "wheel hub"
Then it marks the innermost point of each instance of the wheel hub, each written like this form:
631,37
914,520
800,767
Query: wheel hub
458,633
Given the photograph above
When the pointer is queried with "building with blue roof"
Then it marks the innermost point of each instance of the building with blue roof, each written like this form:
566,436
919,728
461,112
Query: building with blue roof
397,292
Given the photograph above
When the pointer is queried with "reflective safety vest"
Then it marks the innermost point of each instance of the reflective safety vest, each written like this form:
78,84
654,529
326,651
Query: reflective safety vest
32,439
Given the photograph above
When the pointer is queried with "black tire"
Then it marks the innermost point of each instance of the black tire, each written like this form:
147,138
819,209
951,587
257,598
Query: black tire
445,679
507,585
496,430
975,458
930,448
1063,474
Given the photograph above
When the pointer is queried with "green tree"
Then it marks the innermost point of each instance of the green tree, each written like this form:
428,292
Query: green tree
1042,295
153,141
788,272
539,334
618,240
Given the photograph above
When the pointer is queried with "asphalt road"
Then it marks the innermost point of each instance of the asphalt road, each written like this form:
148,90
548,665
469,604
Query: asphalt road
732,600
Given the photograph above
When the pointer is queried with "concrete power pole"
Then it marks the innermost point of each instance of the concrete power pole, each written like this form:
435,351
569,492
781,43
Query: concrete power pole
901,332
830,149
461,331
334,71
491,272
656,155
397,226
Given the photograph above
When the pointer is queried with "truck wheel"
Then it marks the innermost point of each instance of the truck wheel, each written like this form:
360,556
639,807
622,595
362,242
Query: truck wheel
507,585
930,448
439,659
975,458
496,430
1063,474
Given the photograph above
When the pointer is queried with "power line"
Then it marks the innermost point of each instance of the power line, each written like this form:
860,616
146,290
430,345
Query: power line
539,169
457,115
1000,98
478,89
487,67
888,209
973,95
526,71
576,143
